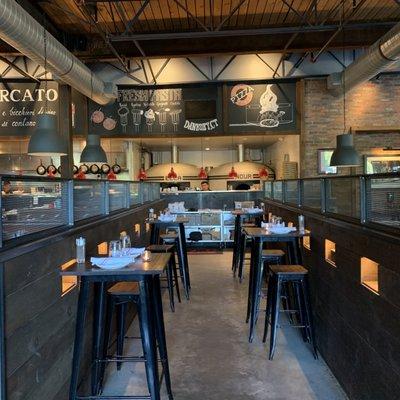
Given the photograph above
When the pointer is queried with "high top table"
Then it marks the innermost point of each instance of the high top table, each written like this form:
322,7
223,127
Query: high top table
239,215
179,223
260,236
147,274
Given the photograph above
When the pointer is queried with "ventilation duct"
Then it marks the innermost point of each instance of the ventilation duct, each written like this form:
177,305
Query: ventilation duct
25,34
379,56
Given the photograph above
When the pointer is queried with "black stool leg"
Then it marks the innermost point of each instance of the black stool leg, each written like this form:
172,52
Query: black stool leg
170,282
276,300
182,267
175,272
301,308
251,279
160,332
107,334
121,316
306,298
79,337
148,336
236,236
242,255
184,251
269,306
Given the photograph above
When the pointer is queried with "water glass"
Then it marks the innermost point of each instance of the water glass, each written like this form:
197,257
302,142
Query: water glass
80,250
115,248
126,242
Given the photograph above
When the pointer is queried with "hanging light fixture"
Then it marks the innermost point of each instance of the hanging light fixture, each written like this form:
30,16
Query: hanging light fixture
263,173
142,175
46,141
93,152
345,155
232,173
202,173
172,174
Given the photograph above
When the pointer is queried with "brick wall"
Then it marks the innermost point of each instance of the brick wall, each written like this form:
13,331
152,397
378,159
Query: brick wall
373,104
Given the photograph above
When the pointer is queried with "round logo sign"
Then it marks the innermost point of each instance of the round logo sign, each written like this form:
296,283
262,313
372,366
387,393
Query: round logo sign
241,95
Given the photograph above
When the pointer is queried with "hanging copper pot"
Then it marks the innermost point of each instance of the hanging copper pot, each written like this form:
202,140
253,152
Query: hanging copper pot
116,168
41,169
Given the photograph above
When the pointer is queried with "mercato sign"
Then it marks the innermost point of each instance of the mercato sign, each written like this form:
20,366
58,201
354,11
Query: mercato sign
27,95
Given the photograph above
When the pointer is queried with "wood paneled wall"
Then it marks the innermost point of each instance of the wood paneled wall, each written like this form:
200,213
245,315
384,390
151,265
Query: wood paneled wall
39,321
358,331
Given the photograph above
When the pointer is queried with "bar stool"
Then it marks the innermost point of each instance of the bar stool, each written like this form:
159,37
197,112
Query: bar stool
119,296
172,238
297,276
172,271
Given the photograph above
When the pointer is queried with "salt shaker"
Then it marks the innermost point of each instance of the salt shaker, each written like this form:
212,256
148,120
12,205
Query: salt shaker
301,224
80,250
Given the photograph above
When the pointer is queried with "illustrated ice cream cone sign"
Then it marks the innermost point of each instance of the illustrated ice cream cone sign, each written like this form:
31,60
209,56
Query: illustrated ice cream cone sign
268,101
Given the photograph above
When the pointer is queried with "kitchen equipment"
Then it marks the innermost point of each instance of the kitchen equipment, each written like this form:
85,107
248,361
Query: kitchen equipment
105,169
195,236
116,168
59,169
94,169
41,169
75,169
51,169
84,168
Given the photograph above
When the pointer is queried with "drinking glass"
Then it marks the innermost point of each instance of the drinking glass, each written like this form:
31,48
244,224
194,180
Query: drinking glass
126,242
115,248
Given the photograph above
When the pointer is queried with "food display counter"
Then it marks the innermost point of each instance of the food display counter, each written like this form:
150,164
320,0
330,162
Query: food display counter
31,205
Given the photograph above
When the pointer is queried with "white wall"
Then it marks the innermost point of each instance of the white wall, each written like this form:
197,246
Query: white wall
274,154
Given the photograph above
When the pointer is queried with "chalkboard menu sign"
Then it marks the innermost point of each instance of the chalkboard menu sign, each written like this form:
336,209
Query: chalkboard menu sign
262,107
143,112
21,103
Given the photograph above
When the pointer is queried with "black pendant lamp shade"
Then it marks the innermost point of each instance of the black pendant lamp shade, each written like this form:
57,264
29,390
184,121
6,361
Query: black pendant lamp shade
345,155
46,141
93,152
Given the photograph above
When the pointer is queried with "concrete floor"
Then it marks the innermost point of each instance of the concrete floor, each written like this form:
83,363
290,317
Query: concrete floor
210,357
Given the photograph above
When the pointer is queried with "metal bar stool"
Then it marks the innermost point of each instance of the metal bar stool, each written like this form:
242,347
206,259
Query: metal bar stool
172,270
297,276
119,296
173,238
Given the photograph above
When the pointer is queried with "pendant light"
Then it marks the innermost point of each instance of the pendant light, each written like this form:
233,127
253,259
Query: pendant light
172,174
142,173
93,152
46,141
263,174
345,155
202,173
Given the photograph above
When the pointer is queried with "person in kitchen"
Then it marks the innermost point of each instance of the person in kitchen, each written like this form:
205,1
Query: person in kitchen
205,186
6,188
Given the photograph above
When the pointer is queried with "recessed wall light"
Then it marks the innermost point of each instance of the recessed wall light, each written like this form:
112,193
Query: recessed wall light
207,148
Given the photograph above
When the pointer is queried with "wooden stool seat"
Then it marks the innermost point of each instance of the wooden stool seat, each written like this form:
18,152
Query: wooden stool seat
124,288
160,248
273,253
288,270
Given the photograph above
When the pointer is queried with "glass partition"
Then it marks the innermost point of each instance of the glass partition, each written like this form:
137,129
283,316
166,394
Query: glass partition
134,193
292,192
88,199
117,196
268,189
383,201
343,196
277,192
311,193
30,206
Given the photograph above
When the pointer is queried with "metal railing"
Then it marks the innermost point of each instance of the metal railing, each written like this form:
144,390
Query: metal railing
367,199
31,205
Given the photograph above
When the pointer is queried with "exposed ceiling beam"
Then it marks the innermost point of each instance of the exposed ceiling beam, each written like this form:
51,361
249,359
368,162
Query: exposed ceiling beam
18,69
229,16
247,32
183,7
129,24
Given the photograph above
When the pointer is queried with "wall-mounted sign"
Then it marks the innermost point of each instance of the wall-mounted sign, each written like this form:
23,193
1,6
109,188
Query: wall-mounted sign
22,102
141,112
262,107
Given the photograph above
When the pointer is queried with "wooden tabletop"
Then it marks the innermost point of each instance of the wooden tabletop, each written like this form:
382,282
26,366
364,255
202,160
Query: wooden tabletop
155,266
179,220
261,232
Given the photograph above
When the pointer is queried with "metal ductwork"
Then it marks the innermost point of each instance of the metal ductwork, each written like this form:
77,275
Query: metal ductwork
25,34
378,57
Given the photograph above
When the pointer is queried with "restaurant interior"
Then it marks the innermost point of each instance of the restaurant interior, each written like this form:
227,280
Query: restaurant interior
200,199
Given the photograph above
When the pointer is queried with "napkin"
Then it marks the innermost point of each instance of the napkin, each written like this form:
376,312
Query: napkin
167,218
133,251
112,262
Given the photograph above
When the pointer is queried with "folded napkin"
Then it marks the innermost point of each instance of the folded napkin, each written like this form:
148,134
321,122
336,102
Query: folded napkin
112,262
252,210
167,218
133,251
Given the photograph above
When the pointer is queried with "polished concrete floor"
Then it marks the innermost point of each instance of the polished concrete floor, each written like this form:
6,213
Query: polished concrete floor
210,357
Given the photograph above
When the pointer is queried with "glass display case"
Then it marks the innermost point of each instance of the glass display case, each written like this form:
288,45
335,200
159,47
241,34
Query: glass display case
30,205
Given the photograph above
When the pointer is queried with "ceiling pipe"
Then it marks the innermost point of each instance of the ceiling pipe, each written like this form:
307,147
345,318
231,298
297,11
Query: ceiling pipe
383,53
240,152
175,154
25,34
